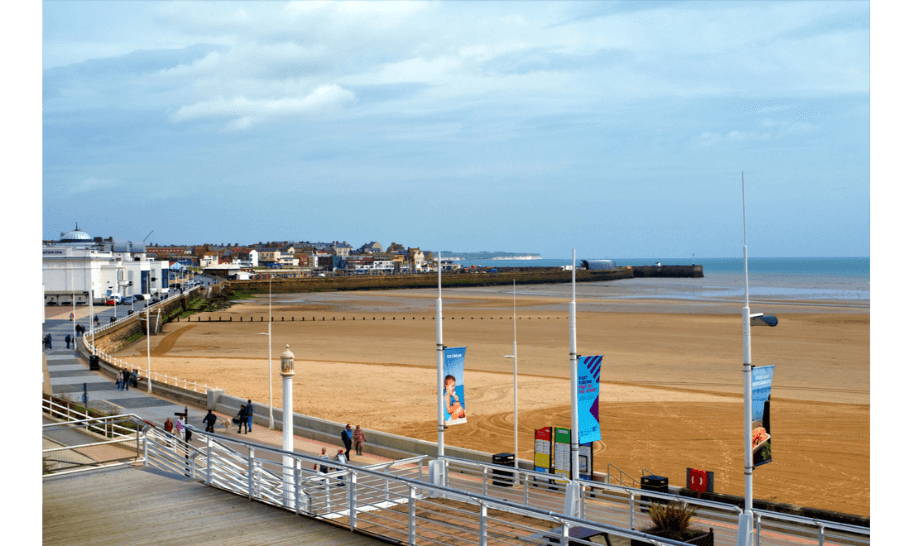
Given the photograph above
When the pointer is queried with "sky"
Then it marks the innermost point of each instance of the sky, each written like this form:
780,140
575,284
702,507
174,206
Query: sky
618,129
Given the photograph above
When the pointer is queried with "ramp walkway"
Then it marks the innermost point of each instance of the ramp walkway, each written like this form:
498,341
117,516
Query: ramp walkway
146,506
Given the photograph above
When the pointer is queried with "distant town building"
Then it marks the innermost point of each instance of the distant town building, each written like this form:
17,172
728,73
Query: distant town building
80,267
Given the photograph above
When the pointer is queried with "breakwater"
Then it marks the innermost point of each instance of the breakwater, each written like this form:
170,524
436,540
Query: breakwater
468,278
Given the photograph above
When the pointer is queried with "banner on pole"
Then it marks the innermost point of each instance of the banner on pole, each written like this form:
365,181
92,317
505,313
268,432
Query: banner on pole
588,371
453,387
762,383
543,449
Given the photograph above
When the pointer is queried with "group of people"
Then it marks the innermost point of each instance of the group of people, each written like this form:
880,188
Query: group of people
127,379
245,417
352,437
47,341
177,428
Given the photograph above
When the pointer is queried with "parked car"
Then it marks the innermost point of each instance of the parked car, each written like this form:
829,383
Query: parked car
128,299
111,300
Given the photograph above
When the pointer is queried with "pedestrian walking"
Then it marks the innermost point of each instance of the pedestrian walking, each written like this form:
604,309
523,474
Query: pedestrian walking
187,434
249,415
96,320
210,419
119,381
50,342
133,378
71,317
347,439
44,342
242,419
323,468
359,439
340,457
178,429
169,428
126,379
67,339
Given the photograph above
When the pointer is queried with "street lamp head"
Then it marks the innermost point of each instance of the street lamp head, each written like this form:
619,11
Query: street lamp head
508,356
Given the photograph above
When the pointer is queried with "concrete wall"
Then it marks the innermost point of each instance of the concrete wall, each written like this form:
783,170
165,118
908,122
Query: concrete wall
378,443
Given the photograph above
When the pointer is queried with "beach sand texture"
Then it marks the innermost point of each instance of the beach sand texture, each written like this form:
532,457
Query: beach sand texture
671,394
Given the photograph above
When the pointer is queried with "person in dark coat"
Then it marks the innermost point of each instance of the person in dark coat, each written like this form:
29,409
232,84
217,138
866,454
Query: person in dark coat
347,439
210,420
50,342
126,379
249,415
68,339
242,419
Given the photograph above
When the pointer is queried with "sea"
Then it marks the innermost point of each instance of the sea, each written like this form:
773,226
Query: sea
808,279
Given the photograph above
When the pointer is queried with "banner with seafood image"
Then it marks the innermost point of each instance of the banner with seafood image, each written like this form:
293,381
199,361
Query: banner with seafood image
762,383
453,388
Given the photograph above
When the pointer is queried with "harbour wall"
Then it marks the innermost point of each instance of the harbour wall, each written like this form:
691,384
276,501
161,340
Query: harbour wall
468,278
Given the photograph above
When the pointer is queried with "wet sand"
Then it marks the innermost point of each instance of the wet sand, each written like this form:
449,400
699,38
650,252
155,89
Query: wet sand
671,378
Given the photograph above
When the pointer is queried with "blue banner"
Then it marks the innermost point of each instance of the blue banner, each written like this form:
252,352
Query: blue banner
761,385
588,372
453,386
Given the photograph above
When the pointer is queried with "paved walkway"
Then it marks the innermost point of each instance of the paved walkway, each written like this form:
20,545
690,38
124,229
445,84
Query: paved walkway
69,374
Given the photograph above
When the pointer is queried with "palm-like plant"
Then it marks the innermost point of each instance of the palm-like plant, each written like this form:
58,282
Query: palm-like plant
671,520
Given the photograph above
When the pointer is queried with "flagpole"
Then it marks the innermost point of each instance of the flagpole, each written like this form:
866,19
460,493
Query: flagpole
574,414
745,524
440,424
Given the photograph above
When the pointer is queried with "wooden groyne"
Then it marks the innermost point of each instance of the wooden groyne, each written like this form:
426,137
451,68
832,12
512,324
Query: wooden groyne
468,278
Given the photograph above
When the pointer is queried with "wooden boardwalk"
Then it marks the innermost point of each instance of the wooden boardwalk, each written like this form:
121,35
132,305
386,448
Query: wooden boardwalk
144,506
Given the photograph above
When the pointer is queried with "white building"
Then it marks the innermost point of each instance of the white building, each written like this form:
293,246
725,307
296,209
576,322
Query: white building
82,267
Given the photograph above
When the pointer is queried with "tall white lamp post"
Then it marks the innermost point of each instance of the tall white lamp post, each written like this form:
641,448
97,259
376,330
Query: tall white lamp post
746,519
148,348
287,425
269,334
515,412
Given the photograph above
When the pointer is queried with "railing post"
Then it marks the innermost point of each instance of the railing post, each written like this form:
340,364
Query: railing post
352,505
208,460
820,534
583,501
631,510
250,470
565,533
421,470
483,526
411,515
525,490
484,480
192,462
297,486
145,447
756,529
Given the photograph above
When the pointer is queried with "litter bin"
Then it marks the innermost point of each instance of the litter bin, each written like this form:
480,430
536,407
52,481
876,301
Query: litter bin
93,363
653,483
503,478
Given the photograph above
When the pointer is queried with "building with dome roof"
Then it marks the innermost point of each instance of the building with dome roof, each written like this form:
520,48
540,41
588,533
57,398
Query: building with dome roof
79,266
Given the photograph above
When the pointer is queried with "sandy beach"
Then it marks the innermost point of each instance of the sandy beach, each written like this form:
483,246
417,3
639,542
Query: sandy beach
671,377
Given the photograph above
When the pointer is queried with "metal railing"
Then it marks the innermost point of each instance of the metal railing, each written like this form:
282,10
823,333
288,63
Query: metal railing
75,441
624,506
393,500
479,504
620,477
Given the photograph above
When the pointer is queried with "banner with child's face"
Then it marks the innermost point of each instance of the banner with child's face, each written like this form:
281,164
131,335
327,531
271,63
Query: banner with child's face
453,387
762,383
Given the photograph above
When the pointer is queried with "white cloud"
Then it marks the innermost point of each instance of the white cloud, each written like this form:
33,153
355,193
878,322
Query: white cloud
245,112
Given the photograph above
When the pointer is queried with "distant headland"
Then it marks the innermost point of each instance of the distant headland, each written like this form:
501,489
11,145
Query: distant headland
490,255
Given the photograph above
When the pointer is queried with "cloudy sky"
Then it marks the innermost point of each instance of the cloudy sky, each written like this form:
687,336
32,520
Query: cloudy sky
619,129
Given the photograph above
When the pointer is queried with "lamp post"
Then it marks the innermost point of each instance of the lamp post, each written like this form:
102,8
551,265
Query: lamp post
269,333
515,412
746,519
287,425
148,348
